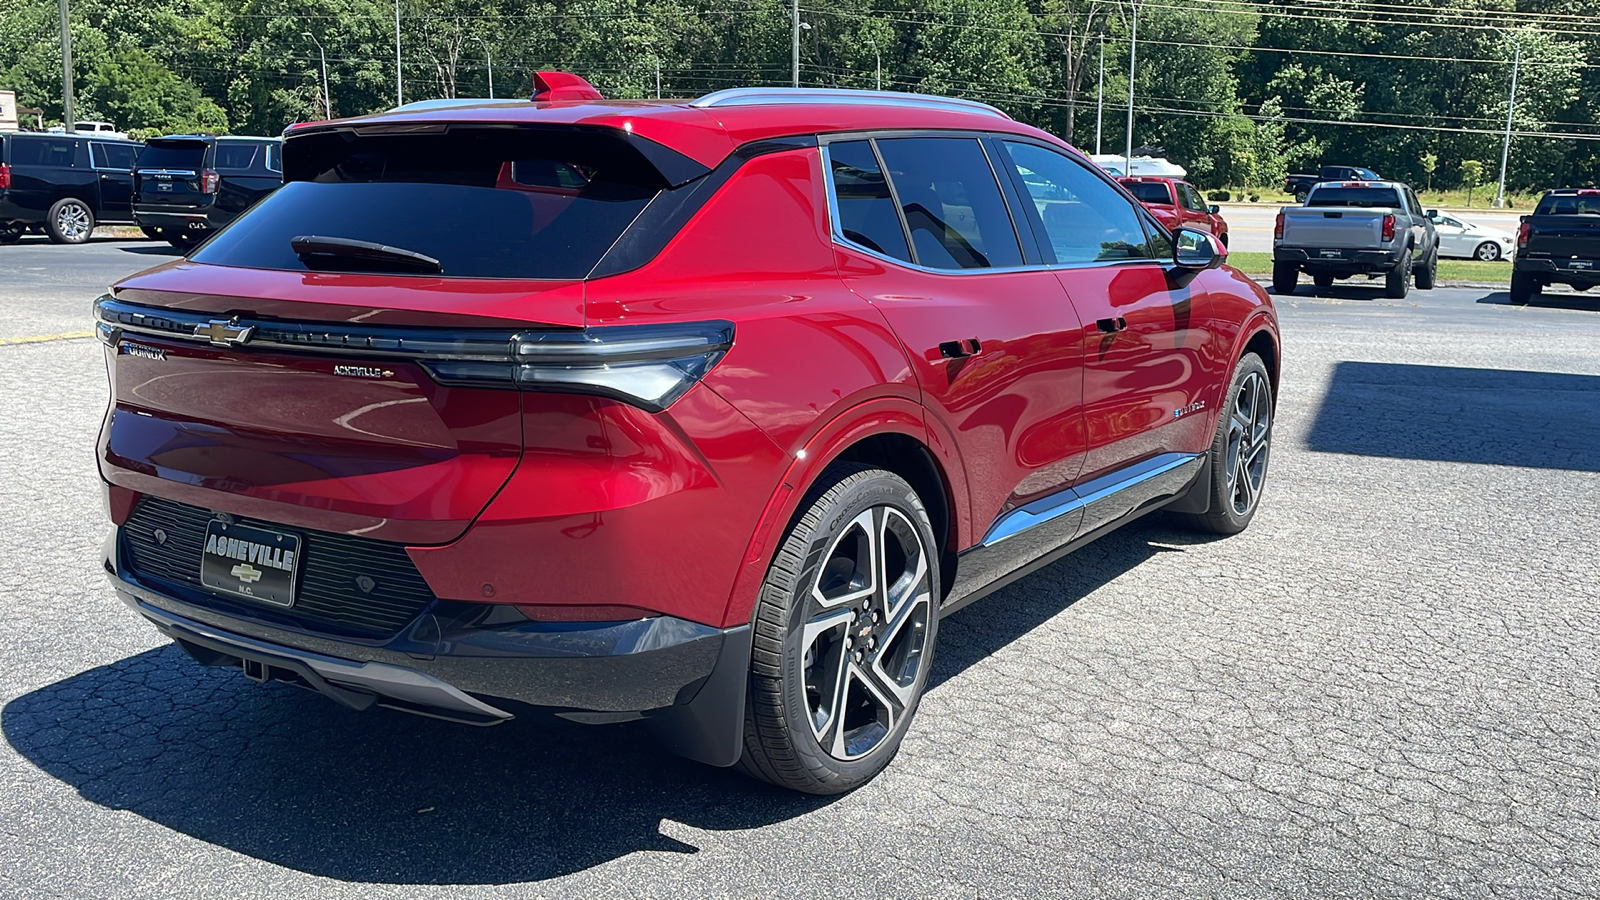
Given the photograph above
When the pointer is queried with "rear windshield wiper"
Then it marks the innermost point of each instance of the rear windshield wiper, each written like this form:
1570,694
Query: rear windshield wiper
317,252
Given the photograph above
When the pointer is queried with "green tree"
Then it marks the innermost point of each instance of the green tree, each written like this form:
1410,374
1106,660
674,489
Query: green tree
1471,176
1430,162
145,98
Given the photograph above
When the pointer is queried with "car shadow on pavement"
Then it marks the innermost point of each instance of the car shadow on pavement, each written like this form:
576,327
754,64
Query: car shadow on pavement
1545,420
154,249
1550,300
285,776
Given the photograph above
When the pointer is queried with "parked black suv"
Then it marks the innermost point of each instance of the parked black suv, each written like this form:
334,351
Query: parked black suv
188,186
1558,243
64,185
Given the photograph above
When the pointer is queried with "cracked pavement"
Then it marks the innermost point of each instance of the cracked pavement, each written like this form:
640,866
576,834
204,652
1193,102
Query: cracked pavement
1385,687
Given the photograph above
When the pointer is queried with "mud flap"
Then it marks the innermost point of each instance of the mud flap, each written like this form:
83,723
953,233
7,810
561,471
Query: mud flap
710,728
1196,498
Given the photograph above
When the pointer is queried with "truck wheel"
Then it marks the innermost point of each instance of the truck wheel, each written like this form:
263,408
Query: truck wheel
10,234
1429,273
1323,282
1524,288
1300,195
844,633
69,222
153,234
1284,277
1397,283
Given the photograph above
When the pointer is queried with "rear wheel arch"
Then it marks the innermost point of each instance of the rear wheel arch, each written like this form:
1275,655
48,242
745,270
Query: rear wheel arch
1262,344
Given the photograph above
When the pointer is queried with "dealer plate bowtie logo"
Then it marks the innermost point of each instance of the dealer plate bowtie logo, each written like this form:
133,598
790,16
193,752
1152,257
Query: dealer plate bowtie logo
225,332
247,573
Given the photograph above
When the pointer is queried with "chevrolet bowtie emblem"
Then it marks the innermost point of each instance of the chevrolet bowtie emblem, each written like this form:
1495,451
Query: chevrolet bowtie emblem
247,573
224,332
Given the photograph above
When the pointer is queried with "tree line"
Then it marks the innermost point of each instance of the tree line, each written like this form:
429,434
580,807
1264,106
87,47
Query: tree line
1238,91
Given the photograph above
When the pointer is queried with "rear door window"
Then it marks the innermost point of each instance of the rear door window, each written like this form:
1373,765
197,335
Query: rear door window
529,203
951,203
1083,217
113,156
862,201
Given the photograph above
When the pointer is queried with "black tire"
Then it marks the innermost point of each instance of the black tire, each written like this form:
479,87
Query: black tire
1488,251
70,221
1300,196
1323,282
1397,282
1284,278
1428,275
1524,288
11,234
817,629
1224,239
1250,383
153,234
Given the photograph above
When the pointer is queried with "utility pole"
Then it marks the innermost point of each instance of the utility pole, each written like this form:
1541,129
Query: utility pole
68,120
327,105
1100,92
399,93
877,64
657,57
1133,46
489,57
1511,107
796,42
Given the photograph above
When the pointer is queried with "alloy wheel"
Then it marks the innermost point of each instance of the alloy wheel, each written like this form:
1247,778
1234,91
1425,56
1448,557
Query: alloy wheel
72,221
1249,437
1488,251
867,617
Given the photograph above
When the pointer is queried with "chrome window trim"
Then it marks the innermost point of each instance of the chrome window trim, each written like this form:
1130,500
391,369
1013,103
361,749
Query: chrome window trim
836,230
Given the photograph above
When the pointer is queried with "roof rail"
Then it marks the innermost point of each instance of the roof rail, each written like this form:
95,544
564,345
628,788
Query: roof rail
777,96
447,103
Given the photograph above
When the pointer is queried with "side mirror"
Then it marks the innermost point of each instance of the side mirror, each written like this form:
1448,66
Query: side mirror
1433,214
1213,209
1196,250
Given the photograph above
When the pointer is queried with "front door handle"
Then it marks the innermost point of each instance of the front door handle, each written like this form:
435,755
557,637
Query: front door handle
1111,326
960,349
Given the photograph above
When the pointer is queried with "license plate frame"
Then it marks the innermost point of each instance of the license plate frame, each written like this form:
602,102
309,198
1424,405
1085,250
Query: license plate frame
247,561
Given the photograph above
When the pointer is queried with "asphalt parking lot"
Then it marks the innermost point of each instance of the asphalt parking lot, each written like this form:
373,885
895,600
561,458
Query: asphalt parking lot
1386,687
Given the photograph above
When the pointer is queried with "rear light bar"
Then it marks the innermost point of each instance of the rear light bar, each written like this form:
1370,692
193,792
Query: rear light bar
1277,227
1388,227
209,180
649,366
5,176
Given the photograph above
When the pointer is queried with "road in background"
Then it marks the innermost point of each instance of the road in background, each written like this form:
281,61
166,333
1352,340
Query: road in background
1250,225
1385,687
48,288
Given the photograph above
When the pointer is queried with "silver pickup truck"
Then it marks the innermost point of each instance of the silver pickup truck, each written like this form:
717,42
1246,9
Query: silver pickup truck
1349,228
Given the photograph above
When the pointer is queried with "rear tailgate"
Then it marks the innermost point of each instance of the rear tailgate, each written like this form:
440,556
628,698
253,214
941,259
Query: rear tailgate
167,174
1347,228
1564,237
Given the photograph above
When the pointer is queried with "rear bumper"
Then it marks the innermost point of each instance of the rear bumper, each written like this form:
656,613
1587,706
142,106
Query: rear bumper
1547,271
1342,261
462,664
184,219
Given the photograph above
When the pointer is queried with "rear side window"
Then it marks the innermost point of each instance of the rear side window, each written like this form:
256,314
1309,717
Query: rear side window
189,155
113,156
1568,205
275,157
1085,219
231,155
1148,191
865,207
44,152
484,202
1370,197
951,203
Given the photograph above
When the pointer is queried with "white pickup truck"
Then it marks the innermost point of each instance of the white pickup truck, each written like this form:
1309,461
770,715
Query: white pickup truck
1349,228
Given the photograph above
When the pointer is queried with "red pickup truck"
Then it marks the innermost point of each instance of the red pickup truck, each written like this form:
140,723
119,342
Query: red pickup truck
1176,203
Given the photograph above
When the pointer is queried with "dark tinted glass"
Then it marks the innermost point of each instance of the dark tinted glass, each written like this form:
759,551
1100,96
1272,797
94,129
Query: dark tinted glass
951,203
861,195
232,155
43,151
173,155
275,156
1356,196
1085,219
1568,205
113,156
1148,191
485,204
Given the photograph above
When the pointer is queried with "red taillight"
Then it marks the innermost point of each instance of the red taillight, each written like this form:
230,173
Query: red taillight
1277,227
208,181
1522,235
5,176
1388,228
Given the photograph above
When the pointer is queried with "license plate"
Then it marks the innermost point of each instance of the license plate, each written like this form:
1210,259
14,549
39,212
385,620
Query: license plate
1581,264
1332,254
251,562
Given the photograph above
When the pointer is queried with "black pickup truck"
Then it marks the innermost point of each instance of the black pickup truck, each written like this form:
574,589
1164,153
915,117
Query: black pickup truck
1300,185
1558,243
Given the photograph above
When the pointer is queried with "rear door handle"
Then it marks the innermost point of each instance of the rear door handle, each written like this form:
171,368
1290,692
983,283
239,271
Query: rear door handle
960,349
1111,326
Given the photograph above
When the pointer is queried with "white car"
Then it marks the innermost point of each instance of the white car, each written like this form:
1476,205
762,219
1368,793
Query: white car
1467,241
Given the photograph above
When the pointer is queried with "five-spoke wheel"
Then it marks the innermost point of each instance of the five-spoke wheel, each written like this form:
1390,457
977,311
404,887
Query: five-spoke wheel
1239,452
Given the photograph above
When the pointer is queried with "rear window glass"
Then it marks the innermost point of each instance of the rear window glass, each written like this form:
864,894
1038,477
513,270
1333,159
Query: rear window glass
486,203
236,156
866,211
43,152
174,155
1569,205
1149,191
1356,196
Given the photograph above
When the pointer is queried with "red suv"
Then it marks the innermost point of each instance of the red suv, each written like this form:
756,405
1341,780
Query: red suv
701,413
1177,204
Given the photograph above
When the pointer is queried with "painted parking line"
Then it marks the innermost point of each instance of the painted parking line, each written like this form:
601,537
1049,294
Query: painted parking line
45,338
